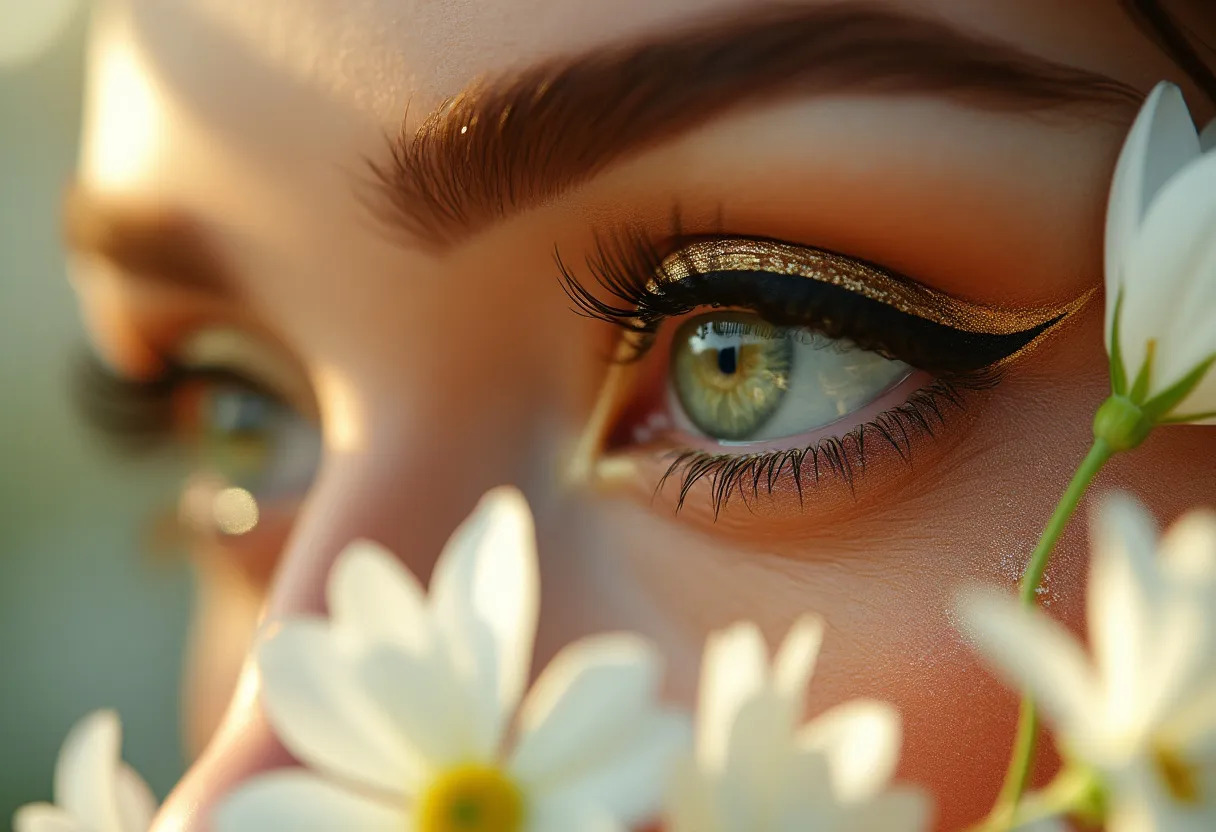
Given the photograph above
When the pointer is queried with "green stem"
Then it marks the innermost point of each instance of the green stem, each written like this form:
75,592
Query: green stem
1071,792
1099,454
1018,774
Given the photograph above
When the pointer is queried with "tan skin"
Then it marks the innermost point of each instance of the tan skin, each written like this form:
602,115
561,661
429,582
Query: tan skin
436,374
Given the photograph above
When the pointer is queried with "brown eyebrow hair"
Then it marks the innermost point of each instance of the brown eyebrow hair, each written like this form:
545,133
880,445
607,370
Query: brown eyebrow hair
500,147
151,243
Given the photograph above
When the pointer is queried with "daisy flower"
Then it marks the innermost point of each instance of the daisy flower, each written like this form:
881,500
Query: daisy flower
756,770
1141,710
401,703
1161,274
95,791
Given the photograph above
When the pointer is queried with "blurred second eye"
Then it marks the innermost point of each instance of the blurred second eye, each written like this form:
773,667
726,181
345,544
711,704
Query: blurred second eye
736,378
249,438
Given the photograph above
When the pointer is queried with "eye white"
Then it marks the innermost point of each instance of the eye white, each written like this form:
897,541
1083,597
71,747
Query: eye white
828,381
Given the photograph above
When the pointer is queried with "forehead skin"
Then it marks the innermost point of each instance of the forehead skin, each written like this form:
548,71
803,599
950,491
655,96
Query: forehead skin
257,69
375,56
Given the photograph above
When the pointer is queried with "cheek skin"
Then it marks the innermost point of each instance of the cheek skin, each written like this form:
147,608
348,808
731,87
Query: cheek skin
226,611
886,582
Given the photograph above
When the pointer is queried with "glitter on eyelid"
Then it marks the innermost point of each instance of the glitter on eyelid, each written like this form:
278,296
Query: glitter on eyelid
735,255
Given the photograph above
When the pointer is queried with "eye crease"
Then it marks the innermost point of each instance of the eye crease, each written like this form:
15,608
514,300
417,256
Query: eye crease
829,353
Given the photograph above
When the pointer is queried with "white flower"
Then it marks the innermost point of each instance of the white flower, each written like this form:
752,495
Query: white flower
401,704
95,791
756,770
1142,711
1161,265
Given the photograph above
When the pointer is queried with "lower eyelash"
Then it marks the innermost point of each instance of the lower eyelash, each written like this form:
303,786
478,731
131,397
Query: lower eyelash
745,475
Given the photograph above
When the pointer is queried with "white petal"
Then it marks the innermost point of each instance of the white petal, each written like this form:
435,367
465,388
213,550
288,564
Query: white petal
1191,727
371,592
805,800
303,802
899,810
690,804
734,668
1033,651
1140,801
43,817
136,803
861,740
1207,137
1171,285
1043,825
429,708
627,780
795,660
590,693
758,757
319,709
485,599
1131,817
1123,586
1188,550
549,818
86,773
1160,142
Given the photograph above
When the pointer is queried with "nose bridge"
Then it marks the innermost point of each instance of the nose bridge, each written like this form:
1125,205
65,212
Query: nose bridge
410,473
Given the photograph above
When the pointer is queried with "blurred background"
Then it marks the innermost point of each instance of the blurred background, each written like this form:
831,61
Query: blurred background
87,618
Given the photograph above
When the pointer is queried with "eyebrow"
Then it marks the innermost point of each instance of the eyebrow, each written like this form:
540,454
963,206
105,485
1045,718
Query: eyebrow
505,146
156,244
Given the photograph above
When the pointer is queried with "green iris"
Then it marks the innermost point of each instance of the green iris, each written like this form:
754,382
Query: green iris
731,372
237,431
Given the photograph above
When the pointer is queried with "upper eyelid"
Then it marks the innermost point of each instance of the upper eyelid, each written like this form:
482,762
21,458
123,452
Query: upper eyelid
648,283
860,277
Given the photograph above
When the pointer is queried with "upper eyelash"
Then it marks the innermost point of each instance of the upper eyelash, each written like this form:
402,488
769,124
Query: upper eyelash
131,414
137,415
643,287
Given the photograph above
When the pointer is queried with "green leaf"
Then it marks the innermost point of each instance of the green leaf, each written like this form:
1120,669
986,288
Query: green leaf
1118,373
1159,407
1140,385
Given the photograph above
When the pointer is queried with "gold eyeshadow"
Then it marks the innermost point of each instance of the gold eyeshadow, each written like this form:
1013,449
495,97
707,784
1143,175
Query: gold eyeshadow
863,279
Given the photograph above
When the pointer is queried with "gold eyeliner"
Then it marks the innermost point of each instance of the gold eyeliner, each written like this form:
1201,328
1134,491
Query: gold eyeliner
868,281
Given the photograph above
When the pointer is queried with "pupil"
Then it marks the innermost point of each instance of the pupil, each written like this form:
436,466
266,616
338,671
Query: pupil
728,361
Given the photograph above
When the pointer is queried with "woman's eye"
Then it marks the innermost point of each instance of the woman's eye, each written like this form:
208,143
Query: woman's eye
249,438
736,378
798,362
236,432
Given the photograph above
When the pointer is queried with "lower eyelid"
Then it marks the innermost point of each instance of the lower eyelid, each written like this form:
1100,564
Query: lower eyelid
894,397
870,451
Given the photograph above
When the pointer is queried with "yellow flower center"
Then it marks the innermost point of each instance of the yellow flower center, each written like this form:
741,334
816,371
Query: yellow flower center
1181,778
471,798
